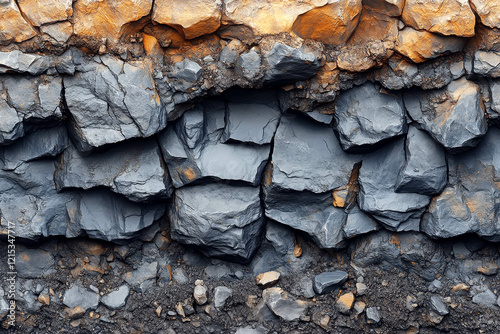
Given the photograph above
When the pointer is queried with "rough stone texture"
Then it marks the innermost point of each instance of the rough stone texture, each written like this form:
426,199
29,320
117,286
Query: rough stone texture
248,64
373,315
389,7
422,45
221,295
468,203
194,150
330,24
446,17
487,63
424,171
438,306
111,101
365,116
143,277
34,263
225,221
284,305
377,180
13,27
133,169
117,299
488,11
358,223
187,70
60,31
193,18
328,281
453,116
77,295
46,11
485,298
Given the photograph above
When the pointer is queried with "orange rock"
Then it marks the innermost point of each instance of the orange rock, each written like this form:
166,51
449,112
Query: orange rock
13,27
330,24
374,26
151,45
488,11
386,7
40,12
107,18
446,17
422,45
44,299
192,18
345,302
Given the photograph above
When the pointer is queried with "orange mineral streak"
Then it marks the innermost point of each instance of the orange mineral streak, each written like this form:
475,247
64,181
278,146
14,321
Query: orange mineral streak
13,27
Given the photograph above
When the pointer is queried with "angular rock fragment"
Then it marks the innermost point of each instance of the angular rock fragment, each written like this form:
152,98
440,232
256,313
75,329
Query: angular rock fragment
133,169
328,281
194,149
389,7
365,116
373,315
284,305
187,70
438,306
424,171
13,27
454,116
143,277
111,101
488,11
61,31
249,64
288,64
377,180
345,302
221,296
34,263
117,299
16,61
77,295
485,298
224,221
487,63
358,223
46,11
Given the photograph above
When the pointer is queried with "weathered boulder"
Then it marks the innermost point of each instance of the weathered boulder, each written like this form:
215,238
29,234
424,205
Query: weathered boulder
13,27
288,64
424,171
377,180
224,221
445,17
365,116
468,204
194,148
192,19
487,63
422,45
333,23
454,116
46,11
111,101
488,11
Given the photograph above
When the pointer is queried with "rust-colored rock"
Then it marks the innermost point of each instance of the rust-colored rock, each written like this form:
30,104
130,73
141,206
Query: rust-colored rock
40,12
385,7
268,279
330,24
345,302
192,18
488,11
151,45
422,45
446,17
107,18
13,27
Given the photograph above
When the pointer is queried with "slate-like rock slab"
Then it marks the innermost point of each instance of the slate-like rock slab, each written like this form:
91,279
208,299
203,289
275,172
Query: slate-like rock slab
116,299
34,263
328,281
284,305
77,295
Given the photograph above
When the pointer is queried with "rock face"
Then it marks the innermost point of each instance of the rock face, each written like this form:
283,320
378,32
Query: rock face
488,11
13,27
225,221
46,11
487,63
453,116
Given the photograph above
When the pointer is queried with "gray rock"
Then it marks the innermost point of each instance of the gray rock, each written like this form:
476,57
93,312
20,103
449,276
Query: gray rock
251,330
453,115
230,53
4,308
373,315
193,149
495,95
116,299
249,64
284,305
253,123
225,221
377,180
16,61
365,116
34,263
320,117
485,298
133,169
438,306
328,281
143,277
424,171
77,295
30,302
187,70
281,237
303,287
218,272
221,295
288,64
358,223
42,143
112,101
469,202
487,63
435,286
179,275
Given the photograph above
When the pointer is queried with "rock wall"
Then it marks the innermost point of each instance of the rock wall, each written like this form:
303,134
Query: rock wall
227,124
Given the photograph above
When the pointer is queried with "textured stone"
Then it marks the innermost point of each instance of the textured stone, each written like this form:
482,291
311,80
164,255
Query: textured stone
446,17
248,64
454,116
328,281
438,306
133,169
16,61
113,101
46,11
422,45
281,237
225,221
251,330
373,315
377,180
365,116
487,63
268,279
284,305
60,31
192,19
388,7
221,296
13,27
289,64
187,70
358,223
424,171
117,299
200,294
77,295
488,11
330,24
143,277
345,302
34,263
485,298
